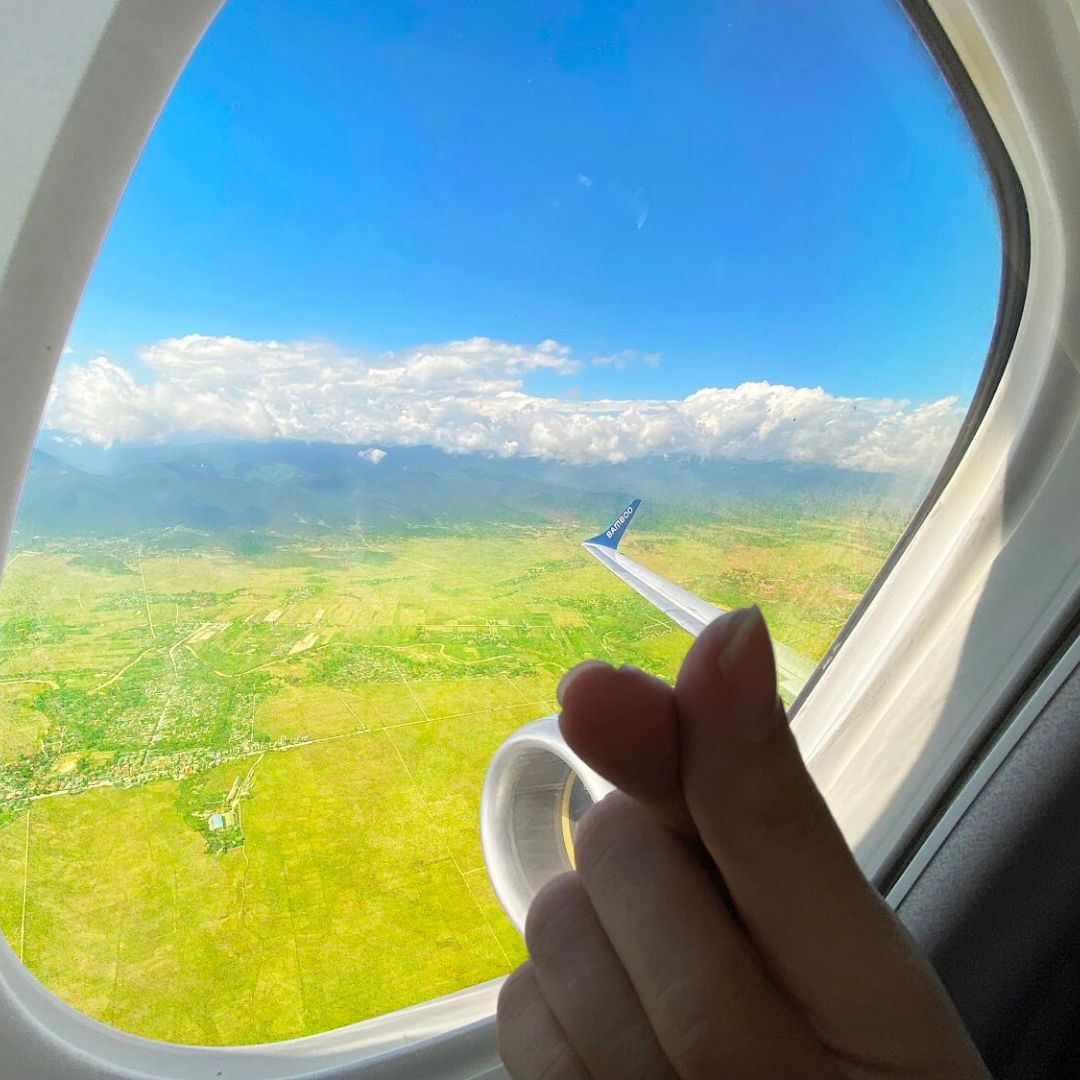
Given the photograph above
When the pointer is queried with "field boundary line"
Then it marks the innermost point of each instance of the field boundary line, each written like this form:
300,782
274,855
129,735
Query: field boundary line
26,885
352,712
146,599
416,700
446,847
437,828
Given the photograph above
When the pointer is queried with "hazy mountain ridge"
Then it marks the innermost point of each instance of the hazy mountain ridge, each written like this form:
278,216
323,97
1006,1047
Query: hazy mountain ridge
295,488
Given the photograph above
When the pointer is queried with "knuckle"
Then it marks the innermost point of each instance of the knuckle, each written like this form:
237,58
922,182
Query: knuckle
516,994
687,1026
529,1044
559,1064
792,812
691,1045
604,830
553,915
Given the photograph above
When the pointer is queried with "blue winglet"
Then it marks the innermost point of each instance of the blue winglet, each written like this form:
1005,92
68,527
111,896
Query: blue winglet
611,536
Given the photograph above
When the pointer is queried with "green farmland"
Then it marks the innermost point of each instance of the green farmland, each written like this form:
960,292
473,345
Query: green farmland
239,788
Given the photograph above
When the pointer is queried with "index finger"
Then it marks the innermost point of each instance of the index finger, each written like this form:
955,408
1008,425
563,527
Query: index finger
623,723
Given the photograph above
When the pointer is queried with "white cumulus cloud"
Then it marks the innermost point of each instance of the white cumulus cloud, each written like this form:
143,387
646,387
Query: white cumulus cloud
468,396
374,455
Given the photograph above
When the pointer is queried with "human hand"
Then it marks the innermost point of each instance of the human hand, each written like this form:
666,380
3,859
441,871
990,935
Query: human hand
716,924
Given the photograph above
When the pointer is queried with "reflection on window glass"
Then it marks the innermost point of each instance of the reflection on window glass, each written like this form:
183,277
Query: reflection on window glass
404,302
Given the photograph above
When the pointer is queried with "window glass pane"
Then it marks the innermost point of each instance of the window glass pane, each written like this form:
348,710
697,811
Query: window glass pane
405,301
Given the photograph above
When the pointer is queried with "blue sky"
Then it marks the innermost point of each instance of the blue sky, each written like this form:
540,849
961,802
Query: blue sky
737,190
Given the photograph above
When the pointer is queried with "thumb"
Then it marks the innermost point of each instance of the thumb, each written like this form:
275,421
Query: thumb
826,936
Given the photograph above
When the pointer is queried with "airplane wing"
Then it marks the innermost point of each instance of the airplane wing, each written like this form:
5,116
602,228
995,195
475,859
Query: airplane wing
683,608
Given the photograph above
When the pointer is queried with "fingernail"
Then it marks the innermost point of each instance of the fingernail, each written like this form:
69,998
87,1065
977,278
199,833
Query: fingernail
749,672
741,625
572,674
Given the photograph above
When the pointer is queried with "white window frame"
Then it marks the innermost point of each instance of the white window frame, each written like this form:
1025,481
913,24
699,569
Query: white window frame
970,606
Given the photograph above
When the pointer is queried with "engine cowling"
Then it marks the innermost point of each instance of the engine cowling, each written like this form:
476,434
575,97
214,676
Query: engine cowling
535,794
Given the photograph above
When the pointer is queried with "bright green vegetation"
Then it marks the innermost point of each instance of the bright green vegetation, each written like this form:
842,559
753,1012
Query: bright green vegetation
239,785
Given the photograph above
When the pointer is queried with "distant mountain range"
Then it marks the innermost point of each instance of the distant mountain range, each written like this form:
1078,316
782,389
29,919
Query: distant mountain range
302,489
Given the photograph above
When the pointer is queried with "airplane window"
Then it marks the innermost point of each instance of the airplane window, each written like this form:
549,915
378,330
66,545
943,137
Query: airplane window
407,301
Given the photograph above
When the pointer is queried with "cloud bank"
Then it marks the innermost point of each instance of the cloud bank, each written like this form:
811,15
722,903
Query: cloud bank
468,397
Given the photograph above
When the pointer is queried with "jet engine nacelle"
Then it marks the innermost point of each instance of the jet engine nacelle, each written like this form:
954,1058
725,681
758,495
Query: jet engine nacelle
535,794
